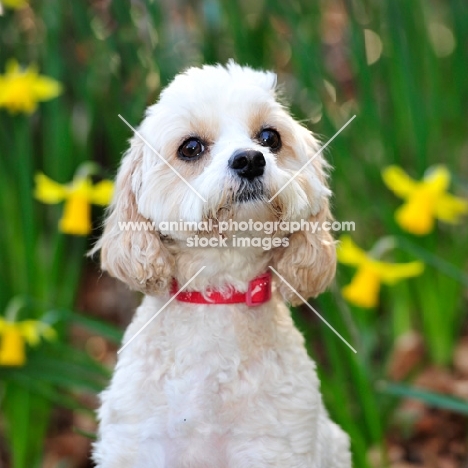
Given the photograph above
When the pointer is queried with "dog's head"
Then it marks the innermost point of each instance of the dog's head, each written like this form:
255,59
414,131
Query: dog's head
218,145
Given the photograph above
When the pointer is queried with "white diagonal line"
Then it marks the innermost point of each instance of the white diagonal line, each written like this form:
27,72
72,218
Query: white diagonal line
161,309
159,156
313,310
312,158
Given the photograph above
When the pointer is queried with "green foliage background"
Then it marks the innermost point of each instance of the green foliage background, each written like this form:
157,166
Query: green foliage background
114,58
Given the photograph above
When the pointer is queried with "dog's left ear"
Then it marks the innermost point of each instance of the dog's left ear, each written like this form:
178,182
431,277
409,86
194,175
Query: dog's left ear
308,263
132,253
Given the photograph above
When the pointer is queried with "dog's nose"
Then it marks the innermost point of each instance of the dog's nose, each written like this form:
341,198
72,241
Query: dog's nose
247,163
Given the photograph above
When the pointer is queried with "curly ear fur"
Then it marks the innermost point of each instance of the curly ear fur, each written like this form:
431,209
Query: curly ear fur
309,262
136,257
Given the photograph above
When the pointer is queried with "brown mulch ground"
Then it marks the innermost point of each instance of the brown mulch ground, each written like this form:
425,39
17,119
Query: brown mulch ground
422,436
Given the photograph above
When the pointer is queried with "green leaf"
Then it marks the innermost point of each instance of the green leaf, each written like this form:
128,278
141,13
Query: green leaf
97,326
49,392
27,416
429,258
433,399
87,434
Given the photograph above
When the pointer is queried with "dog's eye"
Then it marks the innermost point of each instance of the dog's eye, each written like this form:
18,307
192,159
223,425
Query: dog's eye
270,138
191,149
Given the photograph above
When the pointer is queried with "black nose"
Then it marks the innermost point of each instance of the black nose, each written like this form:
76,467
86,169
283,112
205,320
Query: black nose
247,163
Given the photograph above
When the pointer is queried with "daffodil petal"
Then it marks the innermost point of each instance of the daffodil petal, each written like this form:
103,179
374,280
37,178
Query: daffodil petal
49,191
363,291
21,90
349,253
48,332
15,335
391,273
14,3
46,88
102,192
30,331
398,181
437,179
450,208
33,330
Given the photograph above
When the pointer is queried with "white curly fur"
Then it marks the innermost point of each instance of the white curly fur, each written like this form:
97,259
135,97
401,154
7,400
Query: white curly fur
214,386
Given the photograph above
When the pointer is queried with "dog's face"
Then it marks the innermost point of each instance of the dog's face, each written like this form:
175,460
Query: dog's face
225,139
224,132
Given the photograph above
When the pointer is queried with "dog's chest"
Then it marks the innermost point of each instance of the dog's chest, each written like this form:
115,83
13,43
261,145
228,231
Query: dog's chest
207,388
203,374
200,400
203,364
200,386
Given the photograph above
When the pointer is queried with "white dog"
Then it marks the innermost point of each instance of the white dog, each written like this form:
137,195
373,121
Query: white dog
220,377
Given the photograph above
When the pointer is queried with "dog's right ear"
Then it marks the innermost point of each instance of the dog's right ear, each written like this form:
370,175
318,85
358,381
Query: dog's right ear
134,255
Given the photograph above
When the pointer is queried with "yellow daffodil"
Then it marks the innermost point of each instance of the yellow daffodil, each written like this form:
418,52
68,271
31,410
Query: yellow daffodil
78,197
15,4
364,288
21,90
15,335
425,201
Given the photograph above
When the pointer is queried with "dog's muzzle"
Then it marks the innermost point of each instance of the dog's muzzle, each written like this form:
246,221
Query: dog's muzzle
250,191
249,166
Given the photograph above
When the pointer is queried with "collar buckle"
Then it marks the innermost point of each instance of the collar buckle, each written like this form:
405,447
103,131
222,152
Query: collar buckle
259,290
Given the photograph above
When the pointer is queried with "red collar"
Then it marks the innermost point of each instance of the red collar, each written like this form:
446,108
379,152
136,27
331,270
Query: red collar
258,292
